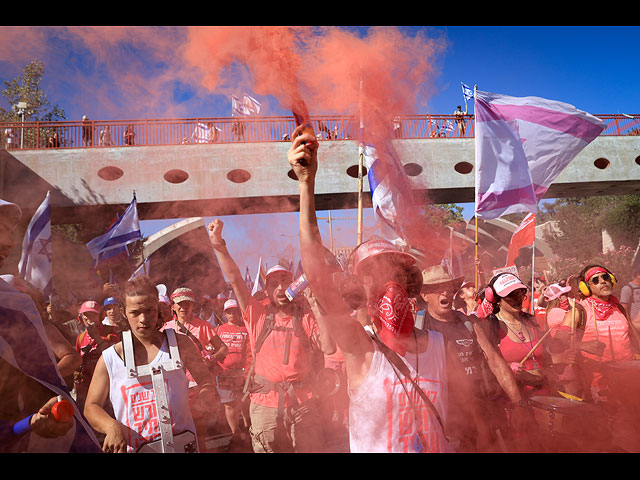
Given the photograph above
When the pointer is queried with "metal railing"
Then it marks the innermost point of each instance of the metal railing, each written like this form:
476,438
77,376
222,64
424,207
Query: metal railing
124,133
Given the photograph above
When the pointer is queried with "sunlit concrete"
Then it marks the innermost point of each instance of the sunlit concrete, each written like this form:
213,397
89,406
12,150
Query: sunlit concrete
225,179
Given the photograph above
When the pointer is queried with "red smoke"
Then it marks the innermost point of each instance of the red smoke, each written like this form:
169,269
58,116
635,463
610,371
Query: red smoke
322,66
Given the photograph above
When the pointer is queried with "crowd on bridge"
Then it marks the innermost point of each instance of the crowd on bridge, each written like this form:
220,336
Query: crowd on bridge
383,354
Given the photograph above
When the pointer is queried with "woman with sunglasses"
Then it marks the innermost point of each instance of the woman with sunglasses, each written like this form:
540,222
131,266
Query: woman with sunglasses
516,332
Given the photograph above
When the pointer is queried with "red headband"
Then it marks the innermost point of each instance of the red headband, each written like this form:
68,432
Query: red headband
592,271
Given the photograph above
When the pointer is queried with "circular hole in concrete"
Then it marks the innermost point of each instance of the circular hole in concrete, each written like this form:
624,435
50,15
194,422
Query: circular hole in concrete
638,160
352,171
110,173
463,167
602,163
413,169
292,175
176,176
238,176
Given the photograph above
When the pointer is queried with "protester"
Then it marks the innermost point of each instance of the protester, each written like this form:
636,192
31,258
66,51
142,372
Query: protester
284,416
211,348
460,122
112,313
379,401
164,307
90,344
136,422
608,335
30,382
630,298
465,299
231,379
515,333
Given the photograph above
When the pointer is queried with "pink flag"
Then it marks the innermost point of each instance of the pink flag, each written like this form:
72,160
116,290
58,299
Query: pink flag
522,145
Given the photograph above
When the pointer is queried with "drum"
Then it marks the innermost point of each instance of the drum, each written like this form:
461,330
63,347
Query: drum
624,384
566,425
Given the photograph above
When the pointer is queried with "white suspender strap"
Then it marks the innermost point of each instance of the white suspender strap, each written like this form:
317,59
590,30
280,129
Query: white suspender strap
157,378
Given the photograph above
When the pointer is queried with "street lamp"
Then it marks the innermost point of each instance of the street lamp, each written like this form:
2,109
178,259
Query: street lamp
20,108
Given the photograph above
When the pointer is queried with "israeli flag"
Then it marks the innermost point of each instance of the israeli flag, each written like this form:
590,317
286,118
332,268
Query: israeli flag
124,231
390,189
245,107
35,263
467,92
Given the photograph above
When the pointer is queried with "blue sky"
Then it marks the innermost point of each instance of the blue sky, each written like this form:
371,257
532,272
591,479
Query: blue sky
593,68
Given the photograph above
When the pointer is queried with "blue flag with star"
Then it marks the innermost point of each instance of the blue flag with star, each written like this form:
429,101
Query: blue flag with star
35,263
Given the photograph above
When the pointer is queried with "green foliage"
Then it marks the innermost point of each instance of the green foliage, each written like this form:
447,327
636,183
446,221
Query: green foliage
26,88
576,239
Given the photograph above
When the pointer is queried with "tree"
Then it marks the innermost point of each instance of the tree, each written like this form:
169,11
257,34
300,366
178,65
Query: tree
26,88
576,239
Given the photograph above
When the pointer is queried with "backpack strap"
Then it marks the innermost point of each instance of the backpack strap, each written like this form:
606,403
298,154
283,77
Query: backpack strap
400,366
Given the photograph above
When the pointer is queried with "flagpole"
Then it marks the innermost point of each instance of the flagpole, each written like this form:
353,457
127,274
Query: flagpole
475,89
360,173
533,263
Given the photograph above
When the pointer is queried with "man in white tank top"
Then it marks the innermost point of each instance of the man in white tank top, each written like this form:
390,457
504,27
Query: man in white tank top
138,420
398,398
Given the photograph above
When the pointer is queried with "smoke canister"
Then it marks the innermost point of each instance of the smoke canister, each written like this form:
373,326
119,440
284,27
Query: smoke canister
297,287
62,410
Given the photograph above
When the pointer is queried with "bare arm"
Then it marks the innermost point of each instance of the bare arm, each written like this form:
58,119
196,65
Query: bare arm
348,334
115,440
497,364
325,340
68,359
228,265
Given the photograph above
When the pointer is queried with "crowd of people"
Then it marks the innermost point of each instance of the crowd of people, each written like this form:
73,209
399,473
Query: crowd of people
383,354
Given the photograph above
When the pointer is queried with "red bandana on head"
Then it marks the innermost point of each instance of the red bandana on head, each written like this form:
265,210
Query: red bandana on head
393,309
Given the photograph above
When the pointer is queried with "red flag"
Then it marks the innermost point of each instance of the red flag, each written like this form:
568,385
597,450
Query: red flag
523,236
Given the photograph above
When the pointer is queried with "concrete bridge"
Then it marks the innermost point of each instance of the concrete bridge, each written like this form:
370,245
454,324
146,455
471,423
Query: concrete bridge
177,181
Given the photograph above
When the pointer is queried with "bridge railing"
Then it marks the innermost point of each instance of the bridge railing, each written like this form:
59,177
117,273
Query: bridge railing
124,133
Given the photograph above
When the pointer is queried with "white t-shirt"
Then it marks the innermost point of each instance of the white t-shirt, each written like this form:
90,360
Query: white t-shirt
381,418
134,403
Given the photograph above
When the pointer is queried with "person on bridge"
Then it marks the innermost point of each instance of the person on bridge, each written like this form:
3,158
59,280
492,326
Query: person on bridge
284,338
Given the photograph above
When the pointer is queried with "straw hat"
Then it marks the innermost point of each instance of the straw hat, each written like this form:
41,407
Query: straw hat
438,275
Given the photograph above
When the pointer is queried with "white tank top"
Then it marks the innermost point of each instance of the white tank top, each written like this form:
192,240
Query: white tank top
381,418
134,403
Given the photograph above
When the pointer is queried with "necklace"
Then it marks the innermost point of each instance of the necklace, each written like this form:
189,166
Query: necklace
512,326
520,335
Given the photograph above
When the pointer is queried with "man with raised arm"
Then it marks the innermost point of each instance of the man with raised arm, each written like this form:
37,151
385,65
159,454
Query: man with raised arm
282,334
397,376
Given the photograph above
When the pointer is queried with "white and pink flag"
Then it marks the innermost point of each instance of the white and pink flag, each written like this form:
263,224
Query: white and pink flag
522,144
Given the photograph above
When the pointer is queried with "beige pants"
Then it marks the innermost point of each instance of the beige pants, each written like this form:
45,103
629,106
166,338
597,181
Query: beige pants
301,432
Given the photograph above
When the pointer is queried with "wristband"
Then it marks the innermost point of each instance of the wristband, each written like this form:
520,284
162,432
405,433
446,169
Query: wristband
23,426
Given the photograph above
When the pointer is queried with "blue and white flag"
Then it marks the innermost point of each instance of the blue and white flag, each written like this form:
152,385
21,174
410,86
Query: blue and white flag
261,279
391,192
245,107
142,270
124,231
35,263
25,346
466,92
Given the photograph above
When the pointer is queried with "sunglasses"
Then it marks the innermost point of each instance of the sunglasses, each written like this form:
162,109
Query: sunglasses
596,280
